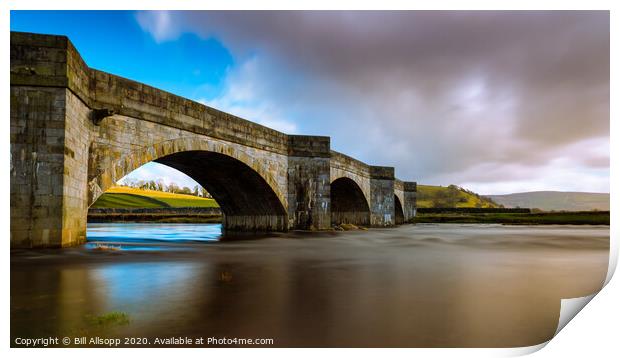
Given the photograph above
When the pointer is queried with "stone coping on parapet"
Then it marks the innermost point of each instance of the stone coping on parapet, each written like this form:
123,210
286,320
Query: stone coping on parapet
379,172
372,171
405,185
410,186
308,146
349,163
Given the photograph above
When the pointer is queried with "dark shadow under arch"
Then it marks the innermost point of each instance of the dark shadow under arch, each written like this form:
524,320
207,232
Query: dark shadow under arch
399,216
349,204
246,199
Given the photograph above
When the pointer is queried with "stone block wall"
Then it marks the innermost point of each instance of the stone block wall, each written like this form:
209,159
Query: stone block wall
49,148
381,196
410,191
37,166
308,183
78,136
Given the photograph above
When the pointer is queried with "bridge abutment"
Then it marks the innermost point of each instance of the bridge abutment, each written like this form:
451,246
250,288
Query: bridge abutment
48,168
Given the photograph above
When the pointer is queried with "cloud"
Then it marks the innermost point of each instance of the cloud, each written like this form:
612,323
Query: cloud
159,172
243,96
159,24
492,99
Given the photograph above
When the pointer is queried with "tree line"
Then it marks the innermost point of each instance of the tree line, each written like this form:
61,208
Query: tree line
451,196
159,185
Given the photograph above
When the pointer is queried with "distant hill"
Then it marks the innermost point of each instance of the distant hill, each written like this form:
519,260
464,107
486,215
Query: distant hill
452,196
121,197
554,200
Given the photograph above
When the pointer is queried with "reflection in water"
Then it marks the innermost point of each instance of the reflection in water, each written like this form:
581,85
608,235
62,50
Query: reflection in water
149,236
413,286
153,232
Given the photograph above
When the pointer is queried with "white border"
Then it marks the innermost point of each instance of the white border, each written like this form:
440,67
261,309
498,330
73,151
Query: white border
592,332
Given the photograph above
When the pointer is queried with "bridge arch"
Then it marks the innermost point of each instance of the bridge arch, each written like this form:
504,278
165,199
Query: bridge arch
399,216
361,179
348,203
248,194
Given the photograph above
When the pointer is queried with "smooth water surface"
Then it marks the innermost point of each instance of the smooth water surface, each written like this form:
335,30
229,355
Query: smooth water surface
446,285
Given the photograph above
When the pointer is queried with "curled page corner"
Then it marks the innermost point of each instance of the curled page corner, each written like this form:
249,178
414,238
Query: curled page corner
569,309
523,351
613,258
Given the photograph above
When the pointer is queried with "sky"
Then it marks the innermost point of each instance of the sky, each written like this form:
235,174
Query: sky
494,101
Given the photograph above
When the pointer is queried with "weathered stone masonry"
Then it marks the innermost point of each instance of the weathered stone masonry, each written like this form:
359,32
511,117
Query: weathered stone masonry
75,131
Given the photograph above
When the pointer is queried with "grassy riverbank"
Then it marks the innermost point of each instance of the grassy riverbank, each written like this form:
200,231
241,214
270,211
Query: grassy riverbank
155,218
540,218
124,204
121,197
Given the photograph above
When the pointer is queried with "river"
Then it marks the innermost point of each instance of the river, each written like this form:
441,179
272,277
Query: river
422,285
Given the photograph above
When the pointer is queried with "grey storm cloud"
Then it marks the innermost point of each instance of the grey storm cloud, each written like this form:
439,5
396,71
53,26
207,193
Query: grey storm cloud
496,100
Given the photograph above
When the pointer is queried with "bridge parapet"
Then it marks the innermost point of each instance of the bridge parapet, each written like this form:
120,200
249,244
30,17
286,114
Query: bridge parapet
308,146
350,164
377,172
410,186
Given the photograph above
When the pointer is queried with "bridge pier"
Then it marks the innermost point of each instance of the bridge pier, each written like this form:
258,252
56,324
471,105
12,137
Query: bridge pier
405,194
382,196
308,182
410,193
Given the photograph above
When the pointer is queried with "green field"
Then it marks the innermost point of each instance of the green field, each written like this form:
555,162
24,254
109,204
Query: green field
126,198
432,196
544,218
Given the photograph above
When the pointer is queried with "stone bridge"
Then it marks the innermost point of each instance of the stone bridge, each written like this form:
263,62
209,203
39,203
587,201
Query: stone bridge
75,131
